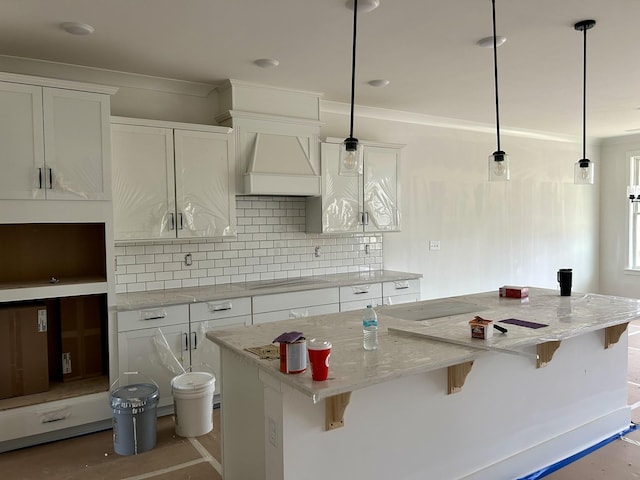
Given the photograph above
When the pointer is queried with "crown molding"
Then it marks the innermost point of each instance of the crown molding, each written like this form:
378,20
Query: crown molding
71,72
442,122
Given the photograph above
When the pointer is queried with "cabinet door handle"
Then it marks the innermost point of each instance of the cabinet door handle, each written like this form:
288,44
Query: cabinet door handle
365,218
50,179
181,220
219,307
172,222
401,285
153,315
40,178
361,289
186,342
195,340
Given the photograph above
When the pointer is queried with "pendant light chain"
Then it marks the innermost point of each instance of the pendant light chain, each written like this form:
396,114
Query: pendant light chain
495,73
353,64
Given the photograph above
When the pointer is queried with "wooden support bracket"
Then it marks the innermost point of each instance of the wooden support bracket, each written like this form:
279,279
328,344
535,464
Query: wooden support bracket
456,375
334,410
612,334
546,351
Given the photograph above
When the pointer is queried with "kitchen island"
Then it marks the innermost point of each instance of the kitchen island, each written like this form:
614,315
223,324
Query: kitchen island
431,402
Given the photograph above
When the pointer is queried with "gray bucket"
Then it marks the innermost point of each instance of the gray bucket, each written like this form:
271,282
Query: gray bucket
134,418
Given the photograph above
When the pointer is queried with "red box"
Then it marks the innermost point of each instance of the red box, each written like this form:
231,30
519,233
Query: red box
514,292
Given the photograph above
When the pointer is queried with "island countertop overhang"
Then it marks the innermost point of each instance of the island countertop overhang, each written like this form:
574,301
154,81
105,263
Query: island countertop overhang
425,344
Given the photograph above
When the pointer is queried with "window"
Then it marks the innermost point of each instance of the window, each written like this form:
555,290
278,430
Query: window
634,215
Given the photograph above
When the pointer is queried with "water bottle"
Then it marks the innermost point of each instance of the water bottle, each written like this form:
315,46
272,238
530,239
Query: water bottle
370,329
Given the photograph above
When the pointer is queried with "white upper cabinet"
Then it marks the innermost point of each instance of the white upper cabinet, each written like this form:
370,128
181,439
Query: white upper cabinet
171,180
367,201
55,141
76,145
22,140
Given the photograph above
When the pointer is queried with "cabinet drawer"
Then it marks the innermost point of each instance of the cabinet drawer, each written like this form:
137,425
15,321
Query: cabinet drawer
361,292
401,287
266,317
293,300
217,309
360,304
152,317
397,299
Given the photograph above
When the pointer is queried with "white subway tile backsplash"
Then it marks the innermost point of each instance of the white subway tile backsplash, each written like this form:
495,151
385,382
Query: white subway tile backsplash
271,244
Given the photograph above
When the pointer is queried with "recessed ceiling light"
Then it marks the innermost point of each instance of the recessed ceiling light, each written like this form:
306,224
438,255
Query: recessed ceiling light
266,62
76,28
487,42
364,6
381,82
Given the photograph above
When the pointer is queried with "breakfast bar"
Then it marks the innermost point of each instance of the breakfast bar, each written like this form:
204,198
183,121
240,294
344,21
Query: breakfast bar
431,401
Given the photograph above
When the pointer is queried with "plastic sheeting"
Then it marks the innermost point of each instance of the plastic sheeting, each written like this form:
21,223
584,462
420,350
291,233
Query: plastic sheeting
366,202
171,184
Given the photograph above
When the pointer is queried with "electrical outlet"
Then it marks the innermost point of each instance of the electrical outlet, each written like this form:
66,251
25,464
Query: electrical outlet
273,432
434,244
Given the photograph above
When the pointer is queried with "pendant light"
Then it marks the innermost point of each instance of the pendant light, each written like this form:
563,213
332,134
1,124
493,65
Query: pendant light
498,160
584,169
349,151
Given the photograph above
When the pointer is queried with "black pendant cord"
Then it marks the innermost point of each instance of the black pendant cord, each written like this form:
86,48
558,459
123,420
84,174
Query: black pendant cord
584,96
353,64
495,73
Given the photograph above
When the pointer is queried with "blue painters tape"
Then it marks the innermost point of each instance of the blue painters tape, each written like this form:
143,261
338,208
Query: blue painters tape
543,472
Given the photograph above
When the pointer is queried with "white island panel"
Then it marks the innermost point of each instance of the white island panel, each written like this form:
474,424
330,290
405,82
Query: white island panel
509,418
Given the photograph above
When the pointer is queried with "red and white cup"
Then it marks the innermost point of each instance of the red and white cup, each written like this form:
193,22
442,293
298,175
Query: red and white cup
319,355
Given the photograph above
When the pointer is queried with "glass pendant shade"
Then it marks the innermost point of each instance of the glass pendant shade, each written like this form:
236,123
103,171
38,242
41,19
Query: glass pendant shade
499,167
350,157
584,172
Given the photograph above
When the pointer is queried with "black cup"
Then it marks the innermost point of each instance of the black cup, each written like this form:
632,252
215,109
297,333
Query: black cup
564,279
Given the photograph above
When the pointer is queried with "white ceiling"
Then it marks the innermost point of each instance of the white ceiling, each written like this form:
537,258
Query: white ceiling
426,48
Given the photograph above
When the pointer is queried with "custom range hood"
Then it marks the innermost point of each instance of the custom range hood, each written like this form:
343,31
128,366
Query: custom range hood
277,138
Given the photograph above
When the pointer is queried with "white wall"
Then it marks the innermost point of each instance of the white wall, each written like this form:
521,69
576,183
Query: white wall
519,232
614,228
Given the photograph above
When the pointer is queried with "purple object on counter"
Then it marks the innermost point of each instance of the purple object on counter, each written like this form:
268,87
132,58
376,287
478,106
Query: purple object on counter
524,323
289,337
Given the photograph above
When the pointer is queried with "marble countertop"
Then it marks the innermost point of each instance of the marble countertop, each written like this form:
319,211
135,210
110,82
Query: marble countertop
428,335
351,366
563,317
178,296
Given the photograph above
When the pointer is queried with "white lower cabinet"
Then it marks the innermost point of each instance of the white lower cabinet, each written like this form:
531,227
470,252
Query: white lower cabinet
355,297
401,291
142,347
284,306
214,315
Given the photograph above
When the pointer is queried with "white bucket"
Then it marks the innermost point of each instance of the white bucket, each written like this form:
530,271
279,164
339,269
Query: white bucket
193,403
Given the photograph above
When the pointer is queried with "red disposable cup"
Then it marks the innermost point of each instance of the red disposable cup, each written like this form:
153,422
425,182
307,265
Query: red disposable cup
319,354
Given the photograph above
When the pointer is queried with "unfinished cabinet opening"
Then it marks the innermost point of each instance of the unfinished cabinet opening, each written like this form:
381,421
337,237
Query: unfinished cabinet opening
45,253
52,349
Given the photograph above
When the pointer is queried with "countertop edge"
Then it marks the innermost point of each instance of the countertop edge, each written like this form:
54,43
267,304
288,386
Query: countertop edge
187,295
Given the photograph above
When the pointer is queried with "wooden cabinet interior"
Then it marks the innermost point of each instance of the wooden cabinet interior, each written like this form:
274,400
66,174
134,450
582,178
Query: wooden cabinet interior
33,345
36,252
